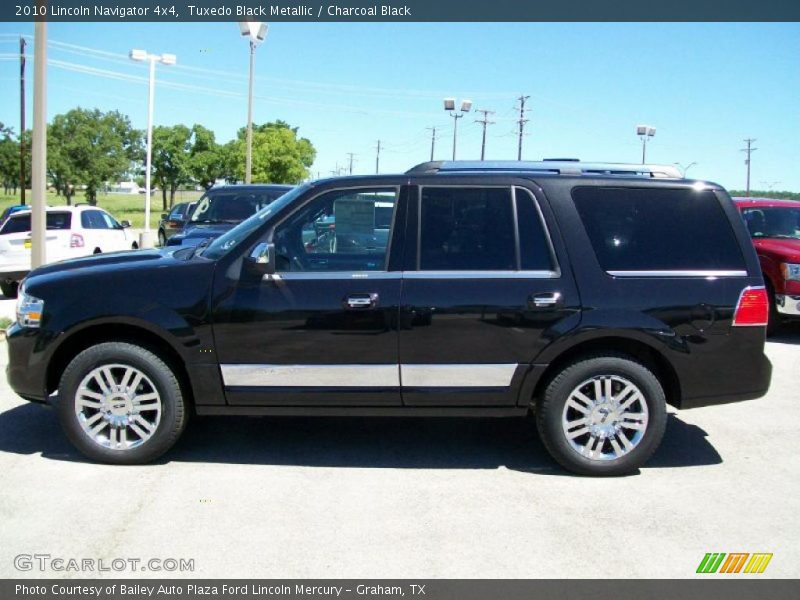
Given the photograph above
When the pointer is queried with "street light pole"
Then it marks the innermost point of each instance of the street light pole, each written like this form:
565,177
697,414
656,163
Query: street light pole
256,33
146,237
450,106
39,146
645,132
684,169
248,170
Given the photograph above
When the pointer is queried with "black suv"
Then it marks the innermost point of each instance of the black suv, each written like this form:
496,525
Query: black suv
591,295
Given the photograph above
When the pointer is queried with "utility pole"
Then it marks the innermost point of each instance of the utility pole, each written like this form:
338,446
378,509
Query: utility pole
749,150
351,155
522,120
433,139
22,177
378,157
485,121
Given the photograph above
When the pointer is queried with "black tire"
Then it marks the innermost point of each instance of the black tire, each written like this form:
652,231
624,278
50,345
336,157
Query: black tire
162,239
97,251
174,413
551,406
10,289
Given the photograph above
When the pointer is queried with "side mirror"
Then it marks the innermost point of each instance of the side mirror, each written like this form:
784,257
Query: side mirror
262,258
125,224
164,216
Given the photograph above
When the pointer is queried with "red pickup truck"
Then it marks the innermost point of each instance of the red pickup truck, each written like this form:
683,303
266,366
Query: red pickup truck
774,226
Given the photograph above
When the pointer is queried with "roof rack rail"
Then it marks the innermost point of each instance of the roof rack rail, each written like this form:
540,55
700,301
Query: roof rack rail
555,167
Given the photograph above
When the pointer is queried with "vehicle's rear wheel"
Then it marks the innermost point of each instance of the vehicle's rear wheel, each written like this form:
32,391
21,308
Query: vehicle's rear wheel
97,251
10,289
119,403
162,239
602,415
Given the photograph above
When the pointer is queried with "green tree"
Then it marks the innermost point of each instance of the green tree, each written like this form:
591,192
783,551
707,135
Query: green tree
9,160
206,157
171,148
91,148
279,155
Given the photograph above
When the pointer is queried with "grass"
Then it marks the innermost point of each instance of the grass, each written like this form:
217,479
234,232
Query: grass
4,323
124,207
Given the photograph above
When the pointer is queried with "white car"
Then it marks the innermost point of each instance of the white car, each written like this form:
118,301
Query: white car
72,231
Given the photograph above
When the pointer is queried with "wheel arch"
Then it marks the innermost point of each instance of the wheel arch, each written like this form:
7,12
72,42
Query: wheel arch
612,344
100,332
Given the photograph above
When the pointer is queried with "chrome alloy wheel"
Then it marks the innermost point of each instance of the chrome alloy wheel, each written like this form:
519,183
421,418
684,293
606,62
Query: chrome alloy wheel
118,407
605,417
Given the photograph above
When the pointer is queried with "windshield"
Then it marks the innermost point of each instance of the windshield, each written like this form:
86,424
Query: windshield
232,206
223,244
773,222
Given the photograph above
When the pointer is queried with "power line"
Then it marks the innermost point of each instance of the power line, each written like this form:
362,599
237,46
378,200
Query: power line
749,150
522,120
484,122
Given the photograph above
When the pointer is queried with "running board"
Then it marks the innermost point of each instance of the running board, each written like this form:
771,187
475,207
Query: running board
363,411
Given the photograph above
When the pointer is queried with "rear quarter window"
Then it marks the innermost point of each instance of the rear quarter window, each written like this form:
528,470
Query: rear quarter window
649,229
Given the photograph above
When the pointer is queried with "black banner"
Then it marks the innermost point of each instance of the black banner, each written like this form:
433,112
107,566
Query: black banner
370,589
399,10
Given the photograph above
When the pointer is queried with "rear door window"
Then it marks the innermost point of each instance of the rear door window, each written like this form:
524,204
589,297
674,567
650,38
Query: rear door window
466,229
635,229
22,223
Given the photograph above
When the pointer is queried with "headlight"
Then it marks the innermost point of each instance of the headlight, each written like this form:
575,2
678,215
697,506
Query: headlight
790,271
29,309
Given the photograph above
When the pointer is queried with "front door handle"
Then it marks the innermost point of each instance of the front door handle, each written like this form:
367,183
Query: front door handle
545,300
361,301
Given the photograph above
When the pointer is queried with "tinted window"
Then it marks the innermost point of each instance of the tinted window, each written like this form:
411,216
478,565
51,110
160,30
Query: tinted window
534,249
466,229
21,224
178,211
343,230
657,229
94,219
232,206
773,222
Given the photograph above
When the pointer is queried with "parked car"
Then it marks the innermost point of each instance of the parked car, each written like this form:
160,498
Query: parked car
591,296
173,221
774,226
71,231
10,210
221,208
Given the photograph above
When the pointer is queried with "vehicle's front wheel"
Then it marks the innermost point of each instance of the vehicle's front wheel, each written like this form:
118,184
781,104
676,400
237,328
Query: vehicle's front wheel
162,239
10,289
119,403
602,415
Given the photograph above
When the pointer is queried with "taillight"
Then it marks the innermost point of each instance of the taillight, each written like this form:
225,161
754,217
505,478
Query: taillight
174,224
76,240
752,308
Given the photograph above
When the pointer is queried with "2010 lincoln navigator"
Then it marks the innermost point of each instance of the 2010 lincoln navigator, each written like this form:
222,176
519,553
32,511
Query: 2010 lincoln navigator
590,295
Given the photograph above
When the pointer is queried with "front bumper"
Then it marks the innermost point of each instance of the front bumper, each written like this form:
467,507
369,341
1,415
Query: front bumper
27,368
788,305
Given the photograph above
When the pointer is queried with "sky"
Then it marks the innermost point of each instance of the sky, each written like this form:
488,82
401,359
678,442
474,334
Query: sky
705,87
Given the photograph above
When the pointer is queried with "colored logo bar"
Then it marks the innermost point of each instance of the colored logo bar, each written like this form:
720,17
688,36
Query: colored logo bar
735,562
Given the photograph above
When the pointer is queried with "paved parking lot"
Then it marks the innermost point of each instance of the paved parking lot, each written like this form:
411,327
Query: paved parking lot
411,498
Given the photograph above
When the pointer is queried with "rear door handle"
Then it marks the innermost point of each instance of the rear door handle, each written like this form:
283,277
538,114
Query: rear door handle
545,300
361,301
